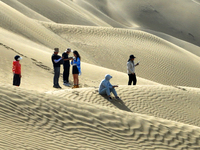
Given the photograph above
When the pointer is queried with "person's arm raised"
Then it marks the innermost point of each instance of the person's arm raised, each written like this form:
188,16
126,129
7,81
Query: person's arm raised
57,60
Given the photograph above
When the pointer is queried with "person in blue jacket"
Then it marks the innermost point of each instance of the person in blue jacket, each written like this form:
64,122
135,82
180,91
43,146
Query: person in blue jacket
76,70
105,87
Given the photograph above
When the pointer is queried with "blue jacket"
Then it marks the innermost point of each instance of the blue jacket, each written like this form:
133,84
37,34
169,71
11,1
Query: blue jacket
77,63
105,83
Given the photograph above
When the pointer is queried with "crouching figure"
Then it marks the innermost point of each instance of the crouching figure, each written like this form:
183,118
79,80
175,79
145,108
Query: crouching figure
105,88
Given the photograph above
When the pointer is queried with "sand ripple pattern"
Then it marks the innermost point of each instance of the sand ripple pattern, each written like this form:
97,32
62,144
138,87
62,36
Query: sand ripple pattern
179,104
41,121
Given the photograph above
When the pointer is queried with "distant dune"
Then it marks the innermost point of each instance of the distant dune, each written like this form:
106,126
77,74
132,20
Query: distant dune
179,18
161,112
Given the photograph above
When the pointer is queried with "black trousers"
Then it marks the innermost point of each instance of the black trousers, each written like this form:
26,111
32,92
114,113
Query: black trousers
66,73
132,78
16,79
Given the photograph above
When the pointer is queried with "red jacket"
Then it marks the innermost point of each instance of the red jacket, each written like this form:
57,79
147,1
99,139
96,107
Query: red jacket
16,67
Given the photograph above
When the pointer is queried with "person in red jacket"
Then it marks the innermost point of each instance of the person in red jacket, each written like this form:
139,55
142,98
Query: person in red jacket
16,71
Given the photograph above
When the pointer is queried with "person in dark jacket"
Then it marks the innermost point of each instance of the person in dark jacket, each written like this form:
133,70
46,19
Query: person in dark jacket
66,66
56,60
16,71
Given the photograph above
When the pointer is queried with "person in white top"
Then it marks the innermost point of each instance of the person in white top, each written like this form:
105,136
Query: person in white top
131,70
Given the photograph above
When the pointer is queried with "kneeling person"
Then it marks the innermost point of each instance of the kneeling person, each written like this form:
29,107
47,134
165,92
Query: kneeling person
105,87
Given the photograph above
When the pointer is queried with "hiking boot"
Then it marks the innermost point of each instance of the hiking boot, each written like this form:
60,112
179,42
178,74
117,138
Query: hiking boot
74,87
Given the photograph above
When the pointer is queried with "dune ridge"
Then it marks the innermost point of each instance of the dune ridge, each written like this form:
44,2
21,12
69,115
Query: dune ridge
26,10
155,15
18,23
45,119
161,112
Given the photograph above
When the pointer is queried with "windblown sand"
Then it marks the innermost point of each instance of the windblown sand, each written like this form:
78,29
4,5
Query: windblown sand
161,112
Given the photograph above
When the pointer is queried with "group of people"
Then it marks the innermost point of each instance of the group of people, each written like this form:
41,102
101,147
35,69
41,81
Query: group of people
65,60
105,87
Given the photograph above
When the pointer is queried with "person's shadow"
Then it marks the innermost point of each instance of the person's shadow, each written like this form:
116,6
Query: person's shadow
118,103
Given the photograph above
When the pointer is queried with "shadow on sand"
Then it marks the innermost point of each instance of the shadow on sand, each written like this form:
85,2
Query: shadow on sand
118,103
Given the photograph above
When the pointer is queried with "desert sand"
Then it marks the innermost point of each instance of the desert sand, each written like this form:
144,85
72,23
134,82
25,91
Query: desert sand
161,112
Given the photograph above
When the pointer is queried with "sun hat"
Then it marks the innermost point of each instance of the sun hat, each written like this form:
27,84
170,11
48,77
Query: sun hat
17,57
56,50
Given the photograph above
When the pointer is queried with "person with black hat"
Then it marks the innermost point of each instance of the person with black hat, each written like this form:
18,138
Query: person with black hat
131,70
56,60
16,71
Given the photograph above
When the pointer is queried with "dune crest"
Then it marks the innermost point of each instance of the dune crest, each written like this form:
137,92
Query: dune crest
161,112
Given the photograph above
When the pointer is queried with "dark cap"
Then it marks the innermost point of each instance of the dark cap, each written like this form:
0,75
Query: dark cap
132,56
17,57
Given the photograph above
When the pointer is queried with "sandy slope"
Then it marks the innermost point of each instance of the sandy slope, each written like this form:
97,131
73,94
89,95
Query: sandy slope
172,103
183,44
26,10
150,116
179,18
38,72
39,121
156,55
37,68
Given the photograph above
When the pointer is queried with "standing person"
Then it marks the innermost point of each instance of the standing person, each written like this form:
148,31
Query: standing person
17,71
105,87
66,66
56,60
76,70
131,70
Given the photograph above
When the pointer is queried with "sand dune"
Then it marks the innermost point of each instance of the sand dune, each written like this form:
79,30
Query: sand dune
37,70
183,44
179,18
16,22
39,121
172,103
26,10
161,112
68,12
156,55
